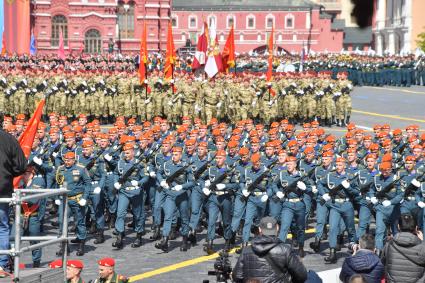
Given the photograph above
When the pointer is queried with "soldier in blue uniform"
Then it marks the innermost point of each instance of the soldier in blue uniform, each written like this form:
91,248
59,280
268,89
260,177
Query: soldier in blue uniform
198,199
76,179
218,187
337,192
130,178
69,146
174,178
96,169
290,189
257,194
385,195
306,166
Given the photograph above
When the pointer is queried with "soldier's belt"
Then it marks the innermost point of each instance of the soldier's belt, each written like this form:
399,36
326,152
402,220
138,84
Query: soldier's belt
409,198
109,173
258,193
95,182
341,200
220,193
131,188
293,199
77,197
38,176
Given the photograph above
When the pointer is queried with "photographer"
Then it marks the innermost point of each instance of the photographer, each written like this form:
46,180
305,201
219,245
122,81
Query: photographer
404,255
364,262
268,259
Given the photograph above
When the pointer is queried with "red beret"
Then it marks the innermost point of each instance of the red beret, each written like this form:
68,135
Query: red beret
385,166
69,155
220,153
75,263
243,151
291,159
255,157
410,158
56,264
128,146
107,261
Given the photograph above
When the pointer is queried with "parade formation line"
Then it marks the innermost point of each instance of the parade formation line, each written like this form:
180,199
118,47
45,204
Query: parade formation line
397,117
395,89
189,262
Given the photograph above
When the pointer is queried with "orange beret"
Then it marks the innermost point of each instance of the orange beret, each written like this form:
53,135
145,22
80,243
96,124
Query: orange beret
410,158
177,149
386,142
53,131
387,157
397,132
367,138
385,166
270,144
232,144
371,155
112,131
106,261
417,146
20,116
243,151
255,157
190,142
204,127
216,132
203,144
292,143
78,128
219,139
330,138
340,159
69,135
327,147
351,126
82,116
128,146
351,150
220,153
75,263
291,159
255,140
327,154
308,150
69,155
374,146
87,144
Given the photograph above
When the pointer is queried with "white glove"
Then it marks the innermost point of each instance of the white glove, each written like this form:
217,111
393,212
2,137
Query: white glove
221,187
152,174
164,184
207,183
271,102
197,108
254,102
170,103
245,193
115,147
117,186
108,157
177,188
301,185
414,182
37,160
264,198
386,203
206,191
326,197
58,202
218,105
82,202
373,200
55,154
314,189
345,184
421,204
96,190
280,195
134,183
147,101
394,177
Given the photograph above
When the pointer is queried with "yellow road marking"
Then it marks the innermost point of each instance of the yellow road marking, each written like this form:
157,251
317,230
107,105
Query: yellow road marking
395,89
397,117
189,262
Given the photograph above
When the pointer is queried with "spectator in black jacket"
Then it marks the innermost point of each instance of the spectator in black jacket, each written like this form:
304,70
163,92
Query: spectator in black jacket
268,259
364,261
12,164
404,255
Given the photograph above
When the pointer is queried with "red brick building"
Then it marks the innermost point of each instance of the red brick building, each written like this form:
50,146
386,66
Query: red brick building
97,23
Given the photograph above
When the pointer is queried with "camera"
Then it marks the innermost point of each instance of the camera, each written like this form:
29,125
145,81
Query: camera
222,267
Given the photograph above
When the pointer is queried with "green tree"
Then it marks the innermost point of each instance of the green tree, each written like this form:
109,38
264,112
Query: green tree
421,40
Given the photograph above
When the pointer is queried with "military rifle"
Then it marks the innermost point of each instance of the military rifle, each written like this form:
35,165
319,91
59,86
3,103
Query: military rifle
202,169
251,187
411,188
383,192
337,190
90,165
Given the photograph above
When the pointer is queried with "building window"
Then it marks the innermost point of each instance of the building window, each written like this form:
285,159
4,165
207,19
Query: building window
269,22
212,21
289,21
174,22
192,22
92,42
230,21
125,16
250,22
59,23
193,36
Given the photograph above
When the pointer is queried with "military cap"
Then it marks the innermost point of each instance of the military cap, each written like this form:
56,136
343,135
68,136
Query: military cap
69,155
75,263
106,261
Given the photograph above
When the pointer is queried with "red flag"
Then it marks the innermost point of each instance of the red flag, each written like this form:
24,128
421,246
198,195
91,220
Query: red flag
3,42
201,49
170,54
229,51
27,138
61,50
270,50
17,26
143,55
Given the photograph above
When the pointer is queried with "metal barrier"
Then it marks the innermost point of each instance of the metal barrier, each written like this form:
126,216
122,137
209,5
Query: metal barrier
23,195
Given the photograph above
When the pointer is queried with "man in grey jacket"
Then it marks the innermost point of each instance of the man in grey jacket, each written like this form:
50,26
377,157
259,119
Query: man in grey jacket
404,255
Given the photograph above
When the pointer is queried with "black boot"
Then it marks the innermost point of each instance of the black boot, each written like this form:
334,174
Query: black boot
338,122
183,247
81,248
332,257
156,233
163,245
138,241
227,245
192,238
315,246
208,248
339,242
75,241
60,251
301,252
99,237
92,229
118,244
112,221
347,120
343,123
329,123
173,233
